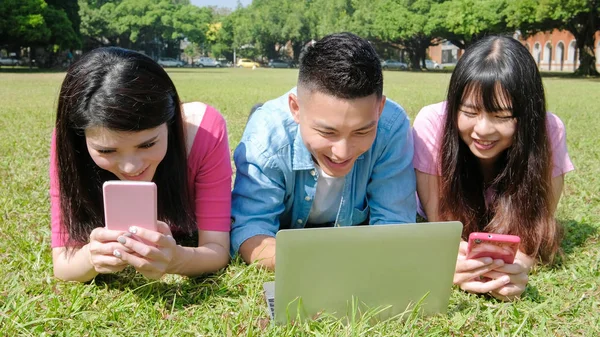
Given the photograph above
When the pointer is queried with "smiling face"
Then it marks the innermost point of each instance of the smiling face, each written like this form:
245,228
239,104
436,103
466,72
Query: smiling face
336,131
486,133
128,155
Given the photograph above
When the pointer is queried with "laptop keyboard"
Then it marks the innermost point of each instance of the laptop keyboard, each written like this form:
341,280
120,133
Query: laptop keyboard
271,303
269,292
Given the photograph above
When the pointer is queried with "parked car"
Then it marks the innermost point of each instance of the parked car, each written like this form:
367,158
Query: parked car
430,64
8,61
170,62
394,64
278,63
207,62
247,63
225,63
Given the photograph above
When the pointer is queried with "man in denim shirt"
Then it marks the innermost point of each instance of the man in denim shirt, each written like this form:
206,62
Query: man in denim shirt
331,152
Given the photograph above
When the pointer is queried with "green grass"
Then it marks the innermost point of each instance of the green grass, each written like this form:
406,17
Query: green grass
563,300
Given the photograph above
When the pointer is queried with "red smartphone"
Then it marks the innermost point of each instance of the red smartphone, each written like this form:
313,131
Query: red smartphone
496,246
129,203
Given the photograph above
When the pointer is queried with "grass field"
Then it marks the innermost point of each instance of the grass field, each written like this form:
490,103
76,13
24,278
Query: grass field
562,300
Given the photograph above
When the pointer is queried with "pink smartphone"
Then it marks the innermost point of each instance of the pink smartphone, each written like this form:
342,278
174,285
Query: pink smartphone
496,246
129,203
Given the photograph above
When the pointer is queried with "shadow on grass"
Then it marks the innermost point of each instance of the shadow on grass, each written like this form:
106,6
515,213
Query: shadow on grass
27,70
177,295
576,234
567,76
196,70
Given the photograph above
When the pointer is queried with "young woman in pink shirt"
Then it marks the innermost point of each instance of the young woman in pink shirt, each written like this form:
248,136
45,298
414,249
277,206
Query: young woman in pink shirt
493,158
119,117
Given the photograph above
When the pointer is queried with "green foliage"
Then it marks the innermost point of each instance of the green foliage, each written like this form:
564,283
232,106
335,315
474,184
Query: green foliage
146,25
465,21
34,22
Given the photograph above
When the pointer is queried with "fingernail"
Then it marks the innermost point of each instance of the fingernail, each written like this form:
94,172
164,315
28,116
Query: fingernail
487,260
117,253
128,235
505,279
499,262
121,239
132,229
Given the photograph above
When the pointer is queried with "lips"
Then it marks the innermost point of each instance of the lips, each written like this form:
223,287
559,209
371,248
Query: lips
135,176
337,164
484,144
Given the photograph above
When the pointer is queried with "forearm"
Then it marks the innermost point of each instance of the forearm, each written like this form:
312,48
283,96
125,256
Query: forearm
259,249
73,266
194,261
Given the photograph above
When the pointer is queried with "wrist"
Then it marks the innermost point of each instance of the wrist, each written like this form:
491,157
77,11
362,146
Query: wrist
178,259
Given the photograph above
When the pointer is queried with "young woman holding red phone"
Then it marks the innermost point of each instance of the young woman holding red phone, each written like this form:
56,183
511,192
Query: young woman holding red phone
119,117
493,158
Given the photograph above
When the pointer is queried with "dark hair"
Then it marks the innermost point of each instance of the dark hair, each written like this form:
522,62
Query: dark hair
342,65
493,71
121,90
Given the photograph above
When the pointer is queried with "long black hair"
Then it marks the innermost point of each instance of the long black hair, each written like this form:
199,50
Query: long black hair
494,71
121,90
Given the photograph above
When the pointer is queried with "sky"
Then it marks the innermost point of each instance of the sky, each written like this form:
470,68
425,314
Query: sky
221,3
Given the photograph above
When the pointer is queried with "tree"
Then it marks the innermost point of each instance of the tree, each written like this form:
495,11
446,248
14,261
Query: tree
34,22
154,26
462,22
580,17
407,23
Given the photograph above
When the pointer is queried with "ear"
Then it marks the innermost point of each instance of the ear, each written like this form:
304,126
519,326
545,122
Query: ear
294,107
381,105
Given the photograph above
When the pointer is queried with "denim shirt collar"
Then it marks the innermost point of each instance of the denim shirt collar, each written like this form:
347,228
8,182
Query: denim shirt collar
301,157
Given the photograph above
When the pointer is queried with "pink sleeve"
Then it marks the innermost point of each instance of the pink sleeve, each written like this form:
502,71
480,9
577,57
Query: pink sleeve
561,163
59,234
211,172
427,132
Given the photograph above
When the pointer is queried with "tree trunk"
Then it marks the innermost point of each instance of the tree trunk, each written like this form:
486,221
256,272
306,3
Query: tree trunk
584,32
587,57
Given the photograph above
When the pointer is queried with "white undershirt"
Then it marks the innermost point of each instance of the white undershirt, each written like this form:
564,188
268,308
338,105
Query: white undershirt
327,199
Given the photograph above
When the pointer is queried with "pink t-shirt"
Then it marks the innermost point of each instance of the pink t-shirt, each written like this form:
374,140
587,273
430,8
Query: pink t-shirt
428,128
209,174
427,132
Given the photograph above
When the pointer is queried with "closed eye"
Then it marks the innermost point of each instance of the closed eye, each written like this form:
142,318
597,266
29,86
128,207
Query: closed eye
469,113
147,145
105,151
363,133
325,133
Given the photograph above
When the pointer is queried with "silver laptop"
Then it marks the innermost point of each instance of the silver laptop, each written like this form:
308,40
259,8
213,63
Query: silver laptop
346,271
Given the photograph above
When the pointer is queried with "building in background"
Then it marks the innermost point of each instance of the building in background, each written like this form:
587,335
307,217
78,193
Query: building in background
554,50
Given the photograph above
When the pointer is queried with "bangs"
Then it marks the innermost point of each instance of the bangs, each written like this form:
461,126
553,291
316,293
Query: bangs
487,95
132,105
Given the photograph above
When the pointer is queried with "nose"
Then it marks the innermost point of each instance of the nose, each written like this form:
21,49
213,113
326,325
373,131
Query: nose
130,164
341,149
484,125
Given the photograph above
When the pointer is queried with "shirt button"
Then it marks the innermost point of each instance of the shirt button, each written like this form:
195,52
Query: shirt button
300,221
307,198
312,173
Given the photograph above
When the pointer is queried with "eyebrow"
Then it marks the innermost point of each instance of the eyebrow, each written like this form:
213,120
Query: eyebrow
475,107
146,142
329,128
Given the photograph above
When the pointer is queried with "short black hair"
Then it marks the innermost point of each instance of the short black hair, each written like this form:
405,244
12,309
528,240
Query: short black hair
342,65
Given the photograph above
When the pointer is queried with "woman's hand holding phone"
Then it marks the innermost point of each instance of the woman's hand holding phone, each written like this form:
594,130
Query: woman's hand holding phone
102,247
469,274
517,272
153,259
